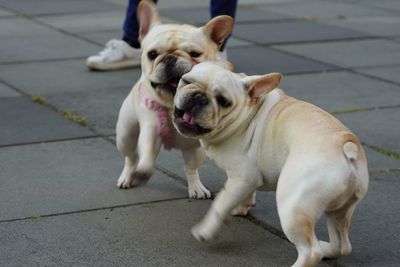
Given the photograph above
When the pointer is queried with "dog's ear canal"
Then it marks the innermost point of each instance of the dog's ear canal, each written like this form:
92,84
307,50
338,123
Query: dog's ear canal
148,16
218,28
258,86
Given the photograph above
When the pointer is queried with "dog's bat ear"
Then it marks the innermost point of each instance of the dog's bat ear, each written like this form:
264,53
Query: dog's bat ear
148,16
259,85
218,28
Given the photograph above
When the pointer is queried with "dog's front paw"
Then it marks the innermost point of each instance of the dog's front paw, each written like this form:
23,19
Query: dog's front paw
202,233
199,191
137,178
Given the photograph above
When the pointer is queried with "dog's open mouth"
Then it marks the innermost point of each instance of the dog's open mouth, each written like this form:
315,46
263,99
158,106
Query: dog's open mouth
170,86
186,123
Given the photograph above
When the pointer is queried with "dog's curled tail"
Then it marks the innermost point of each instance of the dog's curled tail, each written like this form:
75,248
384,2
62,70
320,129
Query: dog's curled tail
350,150
359,170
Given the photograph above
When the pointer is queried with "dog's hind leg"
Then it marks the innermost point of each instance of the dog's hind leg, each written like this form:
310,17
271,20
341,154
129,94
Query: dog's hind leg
300,203
298,225
338,223
193,159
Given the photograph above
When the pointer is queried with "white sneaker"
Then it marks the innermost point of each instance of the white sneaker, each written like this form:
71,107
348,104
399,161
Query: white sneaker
117,54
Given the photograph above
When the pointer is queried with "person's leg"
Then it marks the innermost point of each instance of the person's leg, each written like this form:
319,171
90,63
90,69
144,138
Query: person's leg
131,24
223,7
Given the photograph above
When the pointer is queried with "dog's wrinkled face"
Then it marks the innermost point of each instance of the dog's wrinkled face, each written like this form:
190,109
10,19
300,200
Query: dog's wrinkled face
207,97
210,98
169,50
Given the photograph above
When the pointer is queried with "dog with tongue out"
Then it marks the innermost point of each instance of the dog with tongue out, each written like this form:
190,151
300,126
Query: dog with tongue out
144,122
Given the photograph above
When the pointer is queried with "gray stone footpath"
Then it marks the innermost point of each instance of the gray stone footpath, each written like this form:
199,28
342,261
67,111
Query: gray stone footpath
59,205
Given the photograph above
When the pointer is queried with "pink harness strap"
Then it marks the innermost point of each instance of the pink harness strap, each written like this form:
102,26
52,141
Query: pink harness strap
163,128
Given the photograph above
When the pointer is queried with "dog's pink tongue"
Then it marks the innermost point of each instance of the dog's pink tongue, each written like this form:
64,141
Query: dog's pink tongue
188,119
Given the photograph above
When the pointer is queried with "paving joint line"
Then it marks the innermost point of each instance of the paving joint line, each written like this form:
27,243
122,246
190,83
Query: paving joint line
49,141
354,70
383,151
329,65
58,111
384,171
354,110
8,63
35,217
321,41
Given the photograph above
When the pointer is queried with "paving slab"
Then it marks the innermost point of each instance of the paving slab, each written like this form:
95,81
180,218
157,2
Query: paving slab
387,5
18,27
378,26
70,176
5,13
28,122
258,60
323,9
378,127
39,48
293,32
211,176
235,42
160,236
342,90
81,23
6,91
46,7
25,40
360,53
200,15
390,73
374,230
100,107
397,39
53,77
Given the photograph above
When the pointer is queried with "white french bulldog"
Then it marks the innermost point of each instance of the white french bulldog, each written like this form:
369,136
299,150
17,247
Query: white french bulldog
144,122
266,140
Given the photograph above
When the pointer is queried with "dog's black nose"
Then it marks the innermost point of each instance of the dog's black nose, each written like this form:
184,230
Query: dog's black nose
170,60
195,101
200,99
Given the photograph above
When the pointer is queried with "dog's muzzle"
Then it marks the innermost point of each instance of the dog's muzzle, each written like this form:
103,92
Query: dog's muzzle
184,117
172,70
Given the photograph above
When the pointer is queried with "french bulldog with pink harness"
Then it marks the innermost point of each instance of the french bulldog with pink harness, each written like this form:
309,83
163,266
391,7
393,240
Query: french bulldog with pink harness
266,140
144,123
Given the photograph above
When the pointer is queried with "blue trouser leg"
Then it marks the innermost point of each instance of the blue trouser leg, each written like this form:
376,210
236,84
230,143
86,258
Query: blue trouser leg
131,24
223,7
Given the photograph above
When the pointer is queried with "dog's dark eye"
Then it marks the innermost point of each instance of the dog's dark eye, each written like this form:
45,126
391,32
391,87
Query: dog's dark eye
152,54
223,102
194,54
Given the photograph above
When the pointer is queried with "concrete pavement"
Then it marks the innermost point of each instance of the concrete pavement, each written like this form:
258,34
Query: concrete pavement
59,205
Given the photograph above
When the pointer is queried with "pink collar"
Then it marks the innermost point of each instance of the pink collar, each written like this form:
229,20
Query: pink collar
163,127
